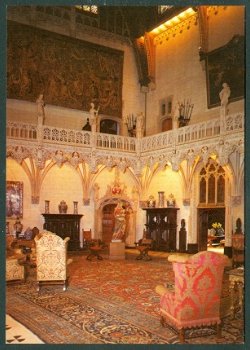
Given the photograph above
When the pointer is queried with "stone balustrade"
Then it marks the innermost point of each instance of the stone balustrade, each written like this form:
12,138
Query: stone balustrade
172,138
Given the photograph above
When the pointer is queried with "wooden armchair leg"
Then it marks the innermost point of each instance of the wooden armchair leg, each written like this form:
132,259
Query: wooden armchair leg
182,335
65,284
218,330
162,321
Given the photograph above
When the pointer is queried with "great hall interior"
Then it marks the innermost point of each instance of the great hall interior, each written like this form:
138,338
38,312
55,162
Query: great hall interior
125,174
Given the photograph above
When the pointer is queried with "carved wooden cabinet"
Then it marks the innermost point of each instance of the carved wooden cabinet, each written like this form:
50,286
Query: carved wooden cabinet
161,226
64,225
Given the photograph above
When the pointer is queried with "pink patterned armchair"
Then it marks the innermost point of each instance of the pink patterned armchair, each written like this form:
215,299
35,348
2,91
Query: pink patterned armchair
51,259
195,301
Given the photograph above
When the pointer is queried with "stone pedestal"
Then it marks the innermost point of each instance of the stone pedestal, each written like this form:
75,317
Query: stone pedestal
117,251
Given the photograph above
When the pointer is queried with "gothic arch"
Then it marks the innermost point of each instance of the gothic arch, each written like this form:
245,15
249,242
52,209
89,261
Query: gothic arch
193,234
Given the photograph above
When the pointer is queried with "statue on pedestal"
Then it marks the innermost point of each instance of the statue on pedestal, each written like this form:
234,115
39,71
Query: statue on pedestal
224,97
40,109
120,223
93,116
140,125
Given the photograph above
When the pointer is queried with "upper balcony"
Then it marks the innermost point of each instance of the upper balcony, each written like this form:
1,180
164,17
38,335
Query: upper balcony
203,132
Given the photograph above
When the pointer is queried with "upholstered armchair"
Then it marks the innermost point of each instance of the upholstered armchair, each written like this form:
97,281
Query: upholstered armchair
195,300
51,259
14,269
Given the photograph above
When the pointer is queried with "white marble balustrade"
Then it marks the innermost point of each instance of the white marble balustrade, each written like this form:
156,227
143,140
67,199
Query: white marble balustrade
171,138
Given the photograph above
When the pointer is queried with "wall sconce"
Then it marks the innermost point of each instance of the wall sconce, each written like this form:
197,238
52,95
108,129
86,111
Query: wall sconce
185,112
130,122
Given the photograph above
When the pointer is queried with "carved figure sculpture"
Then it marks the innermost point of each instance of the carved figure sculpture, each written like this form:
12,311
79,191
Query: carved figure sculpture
224,96
93,116
40,109
120,222
140,125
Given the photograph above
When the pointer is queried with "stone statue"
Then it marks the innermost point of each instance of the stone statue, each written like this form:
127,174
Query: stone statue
224,97
225,94
93,116
40,109
140,125
120,222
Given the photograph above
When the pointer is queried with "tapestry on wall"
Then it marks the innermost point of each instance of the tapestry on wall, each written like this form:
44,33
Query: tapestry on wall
226,65
14,199
69,72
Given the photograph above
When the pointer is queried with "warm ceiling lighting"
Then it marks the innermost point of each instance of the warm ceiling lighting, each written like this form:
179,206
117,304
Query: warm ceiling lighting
173,21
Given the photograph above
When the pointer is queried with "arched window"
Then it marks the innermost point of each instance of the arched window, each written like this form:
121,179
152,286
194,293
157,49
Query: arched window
212,184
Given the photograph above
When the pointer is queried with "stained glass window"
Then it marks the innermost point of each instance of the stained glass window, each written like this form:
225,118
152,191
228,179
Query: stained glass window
212,184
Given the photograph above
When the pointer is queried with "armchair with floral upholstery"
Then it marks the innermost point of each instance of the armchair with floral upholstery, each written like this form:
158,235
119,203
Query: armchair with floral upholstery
14,269
195,300
51,259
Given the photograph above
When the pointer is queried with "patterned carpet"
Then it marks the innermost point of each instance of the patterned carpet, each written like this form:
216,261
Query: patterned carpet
111,302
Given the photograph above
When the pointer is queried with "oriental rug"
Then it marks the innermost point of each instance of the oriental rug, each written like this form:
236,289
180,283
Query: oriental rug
107,302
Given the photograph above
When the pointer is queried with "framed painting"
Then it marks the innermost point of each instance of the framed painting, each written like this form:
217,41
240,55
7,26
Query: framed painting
226,65
14,199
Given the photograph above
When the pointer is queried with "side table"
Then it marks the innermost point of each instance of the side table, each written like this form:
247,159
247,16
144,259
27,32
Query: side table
236,285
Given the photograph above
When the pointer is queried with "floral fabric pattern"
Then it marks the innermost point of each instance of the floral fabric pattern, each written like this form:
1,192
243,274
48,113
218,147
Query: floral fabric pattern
51,257
196,297
14,271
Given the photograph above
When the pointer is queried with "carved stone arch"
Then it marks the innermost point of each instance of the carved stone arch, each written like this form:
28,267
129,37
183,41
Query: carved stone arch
194,203
131,221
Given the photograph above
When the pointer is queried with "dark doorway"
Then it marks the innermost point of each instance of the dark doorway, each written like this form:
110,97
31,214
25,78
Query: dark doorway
109,126
108,222
206,217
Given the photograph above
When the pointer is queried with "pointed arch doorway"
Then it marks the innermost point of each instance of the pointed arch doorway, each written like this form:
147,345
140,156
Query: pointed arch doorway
211,208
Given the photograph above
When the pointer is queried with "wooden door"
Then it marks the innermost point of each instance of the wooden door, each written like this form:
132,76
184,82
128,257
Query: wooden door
203,229
108,222
167,124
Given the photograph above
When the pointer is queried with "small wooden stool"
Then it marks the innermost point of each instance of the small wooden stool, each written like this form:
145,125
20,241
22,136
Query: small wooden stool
144,246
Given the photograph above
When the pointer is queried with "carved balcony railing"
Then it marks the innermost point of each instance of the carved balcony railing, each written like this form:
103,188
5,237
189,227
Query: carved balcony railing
193,133
189,134
54,135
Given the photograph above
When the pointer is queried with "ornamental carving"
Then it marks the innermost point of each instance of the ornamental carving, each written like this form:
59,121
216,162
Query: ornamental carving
40,155
59,157
224,149
176,30
19,153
